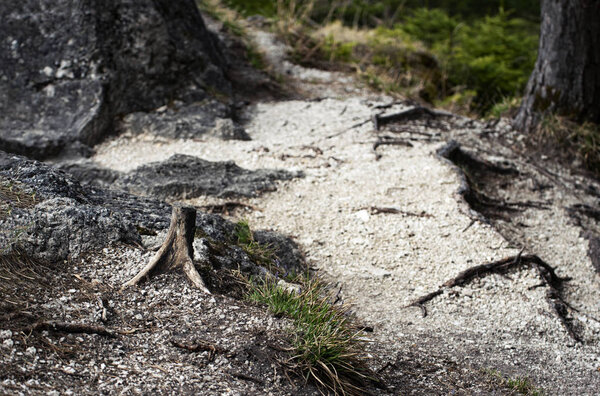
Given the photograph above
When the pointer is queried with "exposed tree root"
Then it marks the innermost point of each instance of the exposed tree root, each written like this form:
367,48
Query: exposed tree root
472,171
420,302
581,209
177,251
547,273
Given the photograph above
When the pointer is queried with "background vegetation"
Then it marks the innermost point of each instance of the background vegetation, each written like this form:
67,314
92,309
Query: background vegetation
466,55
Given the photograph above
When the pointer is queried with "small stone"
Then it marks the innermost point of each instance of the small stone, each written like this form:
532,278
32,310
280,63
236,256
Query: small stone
226,129
362,215
8,343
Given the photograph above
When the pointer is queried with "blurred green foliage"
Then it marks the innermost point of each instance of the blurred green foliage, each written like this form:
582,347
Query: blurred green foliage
467,55
492,56
374,13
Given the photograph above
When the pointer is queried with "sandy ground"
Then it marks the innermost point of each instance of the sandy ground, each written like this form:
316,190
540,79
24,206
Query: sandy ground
382,262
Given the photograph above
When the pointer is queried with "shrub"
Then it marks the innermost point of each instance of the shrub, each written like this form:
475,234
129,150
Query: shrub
494,57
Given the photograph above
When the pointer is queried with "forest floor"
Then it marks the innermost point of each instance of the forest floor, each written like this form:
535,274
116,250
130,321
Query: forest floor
387,218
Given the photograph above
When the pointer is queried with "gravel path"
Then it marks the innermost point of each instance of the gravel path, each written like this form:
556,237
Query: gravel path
384,261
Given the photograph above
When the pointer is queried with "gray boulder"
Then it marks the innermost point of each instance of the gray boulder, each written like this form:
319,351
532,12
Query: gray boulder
186,121
69,67
49,215
185,176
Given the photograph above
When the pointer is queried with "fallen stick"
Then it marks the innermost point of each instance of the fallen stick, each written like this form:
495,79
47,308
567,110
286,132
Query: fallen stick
411,114
391,142
227,207
245,377
70,328
202,346
375,210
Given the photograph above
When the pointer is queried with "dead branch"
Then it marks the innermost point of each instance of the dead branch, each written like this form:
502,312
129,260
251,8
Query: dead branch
245,377
426,137
375,210
413,113
227,207
70,328
389,142
199,346
420,302
177,251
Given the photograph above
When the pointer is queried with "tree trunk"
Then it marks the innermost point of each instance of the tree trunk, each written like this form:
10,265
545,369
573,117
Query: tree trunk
566,78
177,251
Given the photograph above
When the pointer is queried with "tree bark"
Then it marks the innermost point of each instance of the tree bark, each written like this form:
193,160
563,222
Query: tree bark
566,78
177,251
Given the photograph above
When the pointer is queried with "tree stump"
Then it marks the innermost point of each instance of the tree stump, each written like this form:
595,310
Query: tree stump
177,251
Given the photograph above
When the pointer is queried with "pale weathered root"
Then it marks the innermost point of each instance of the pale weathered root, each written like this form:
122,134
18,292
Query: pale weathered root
177,251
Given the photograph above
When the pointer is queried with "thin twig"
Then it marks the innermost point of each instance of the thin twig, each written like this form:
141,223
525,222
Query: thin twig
70,328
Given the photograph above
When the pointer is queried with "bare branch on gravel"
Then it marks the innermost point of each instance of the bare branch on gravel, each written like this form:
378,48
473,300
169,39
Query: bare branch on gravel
199,346
375,210
380,120
227,207
177,251
386,141
245,377
425,136
70,328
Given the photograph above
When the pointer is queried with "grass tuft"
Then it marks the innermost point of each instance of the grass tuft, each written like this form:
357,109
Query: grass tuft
326,346
232,22
259,253
521,385
524,386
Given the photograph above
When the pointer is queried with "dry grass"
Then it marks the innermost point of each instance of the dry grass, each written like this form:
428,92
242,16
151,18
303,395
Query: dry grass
518,385
20,275
14,195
